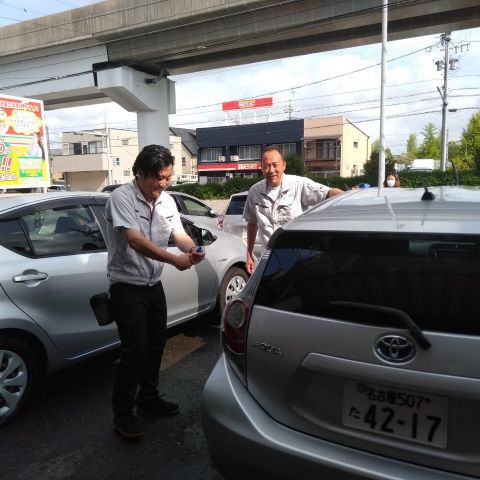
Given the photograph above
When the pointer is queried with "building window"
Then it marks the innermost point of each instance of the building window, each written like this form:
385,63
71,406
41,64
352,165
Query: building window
355,144
116,161
125,141
210,154
94,147
326,150
126,173
184,162
249,152
325,171
77,149
286,148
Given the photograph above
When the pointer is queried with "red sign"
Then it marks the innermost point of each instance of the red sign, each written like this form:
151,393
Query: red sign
248,103
229,166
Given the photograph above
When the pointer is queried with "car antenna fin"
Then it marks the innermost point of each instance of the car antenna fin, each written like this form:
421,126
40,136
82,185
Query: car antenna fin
427,194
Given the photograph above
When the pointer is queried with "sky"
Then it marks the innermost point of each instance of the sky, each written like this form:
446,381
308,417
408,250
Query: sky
341,82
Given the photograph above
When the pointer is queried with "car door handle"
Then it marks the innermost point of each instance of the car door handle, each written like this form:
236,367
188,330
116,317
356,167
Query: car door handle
30,276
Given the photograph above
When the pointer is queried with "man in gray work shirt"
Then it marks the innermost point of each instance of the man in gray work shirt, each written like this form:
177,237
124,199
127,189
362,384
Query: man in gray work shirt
141,218
277,199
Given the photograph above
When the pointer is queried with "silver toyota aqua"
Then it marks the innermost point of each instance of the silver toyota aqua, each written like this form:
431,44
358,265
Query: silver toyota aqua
353,351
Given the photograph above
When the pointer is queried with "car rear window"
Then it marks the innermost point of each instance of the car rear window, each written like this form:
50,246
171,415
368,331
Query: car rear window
435,279
236,205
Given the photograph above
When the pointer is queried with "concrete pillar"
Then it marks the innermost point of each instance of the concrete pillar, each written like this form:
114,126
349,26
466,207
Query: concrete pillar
151,97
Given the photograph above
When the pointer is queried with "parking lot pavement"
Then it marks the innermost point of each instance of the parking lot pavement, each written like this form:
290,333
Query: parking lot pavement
218,205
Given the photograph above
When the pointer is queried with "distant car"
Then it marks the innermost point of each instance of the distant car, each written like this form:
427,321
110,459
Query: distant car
53,258
57,187
231,220
193,208
352,353
111,188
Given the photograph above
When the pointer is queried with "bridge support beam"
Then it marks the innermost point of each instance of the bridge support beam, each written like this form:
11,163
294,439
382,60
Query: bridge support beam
151,97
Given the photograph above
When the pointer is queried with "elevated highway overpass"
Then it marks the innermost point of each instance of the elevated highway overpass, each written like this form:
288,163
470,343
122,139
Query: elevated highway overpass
125,50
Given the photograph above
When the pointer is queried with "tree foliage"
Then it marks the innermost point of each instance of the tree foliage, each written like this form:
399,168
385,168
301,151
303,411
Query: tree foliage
470,142
371,166
412,147
296,165
430,147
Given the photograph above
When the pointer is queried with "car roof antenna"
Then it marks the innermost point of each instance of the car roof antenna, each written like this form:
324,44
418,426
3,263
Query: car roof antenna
427,194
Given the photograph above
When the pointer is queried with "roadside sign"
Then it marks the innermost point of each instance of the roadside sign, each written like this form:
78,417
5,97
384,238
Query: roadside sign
23,150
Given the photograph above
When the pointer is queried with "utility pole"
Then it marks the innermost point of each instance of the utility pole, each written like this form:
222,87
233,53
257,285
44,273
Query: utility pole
446,64
383,96
445,39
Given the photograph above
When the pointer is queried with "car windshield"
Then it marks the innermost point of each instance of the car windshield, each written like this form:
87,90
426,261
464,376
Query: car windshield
236,205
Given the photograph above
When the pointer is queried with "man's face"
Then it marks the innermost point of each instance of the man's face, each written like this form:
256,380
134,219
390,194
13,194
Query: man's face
273,167
152,187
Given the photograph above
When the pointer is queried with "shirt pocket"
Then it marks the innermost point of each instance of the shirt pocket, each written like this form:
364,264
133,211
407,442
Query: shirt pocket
286,207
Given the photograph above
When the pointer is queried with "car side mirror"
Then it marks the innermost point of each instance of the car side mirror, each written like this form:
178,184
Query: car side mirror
213,213
208,237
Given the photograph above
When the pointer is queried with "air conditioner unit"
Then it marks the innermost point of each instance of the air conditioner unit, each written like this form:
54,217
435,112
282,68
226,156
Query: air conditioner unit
221,158
234,158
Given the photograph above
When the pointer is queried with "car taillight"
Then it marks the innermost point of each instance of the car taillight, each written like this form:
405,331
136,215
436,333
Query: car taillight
235,321
220,221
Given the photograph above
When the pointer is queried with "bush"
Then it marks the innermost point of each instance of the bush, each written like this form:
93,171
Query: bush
211,191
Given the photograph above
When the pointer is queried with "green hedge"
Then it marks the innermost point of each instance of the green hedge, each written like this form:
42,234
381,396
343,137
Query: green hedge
212,191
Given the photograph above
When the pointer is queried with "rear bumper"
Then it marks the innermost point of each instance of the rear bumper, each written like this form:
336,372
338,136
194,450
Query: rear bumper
245,442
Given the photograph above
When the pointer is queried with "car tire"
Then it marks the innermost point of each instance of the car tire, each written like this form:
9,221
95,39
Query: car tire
19,375
232,284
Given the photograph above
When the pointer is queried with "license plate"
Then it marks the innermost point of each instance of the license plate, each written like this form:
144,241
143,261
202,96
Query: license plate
397,413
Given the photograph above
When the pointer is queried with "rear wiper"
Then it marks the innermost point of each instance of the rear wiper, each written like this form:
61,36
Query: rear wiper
400,315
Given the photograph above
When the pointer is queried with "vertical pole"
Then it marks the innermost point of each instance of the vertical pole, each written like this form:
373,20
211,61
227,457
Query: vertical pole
445,41
381,157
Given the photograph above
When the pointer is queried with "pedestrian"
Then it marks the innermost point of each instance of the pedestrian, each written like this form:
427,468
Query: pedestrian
141,218
276,199
392,180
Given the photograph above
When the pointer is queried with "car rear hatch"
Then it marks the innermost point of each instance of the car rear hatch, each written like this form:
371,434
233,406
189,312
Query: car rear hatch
333,350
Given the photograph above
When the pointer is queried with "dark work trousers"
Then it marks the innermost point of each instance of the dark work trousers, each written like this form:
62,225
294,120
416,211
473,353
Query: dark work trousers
141,316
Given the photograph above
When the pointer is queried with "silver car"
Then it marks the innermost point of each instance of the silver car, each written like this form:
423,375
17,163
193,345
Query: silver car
53,258
231,220
352,352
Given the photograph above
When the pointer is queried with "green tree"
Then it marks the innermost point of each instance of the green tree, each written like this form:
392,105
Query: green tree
430,147
296,165
470,142
371,166
412,147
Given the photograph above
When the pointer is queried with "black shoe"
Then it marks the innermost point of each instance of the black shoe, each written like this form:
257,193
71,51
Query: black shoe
128,426
157,406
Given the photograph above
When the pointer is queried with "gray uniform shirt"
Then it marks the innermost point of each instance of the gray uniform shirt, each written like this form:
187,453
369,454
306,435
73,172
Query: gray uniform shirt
127,208
295,196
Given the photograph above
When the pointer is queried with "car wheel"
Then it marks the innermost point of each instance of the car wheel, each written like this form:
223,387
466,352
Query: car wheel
232,284
19,374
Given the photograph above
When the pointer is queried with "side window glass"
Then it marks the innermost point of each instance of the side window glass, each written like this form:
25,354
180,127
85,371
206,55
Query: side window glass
195,208
12,236
61,231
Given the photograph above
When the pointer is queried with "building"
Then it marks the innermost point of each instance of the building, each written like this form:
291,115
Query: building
92,159
331,146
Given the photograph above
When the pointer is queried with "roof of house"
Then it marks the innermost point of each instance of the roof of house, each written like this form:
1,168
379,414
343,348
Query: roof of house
188,136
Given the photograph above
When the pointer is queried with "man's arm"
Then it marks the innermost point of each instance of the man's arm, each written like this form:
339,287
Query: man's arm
252,229
144,246
334,191
187,245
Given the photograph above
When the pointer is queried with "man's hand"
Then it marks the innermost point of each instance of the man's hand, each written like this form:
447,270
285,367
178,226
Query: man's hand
250,263
197,254
183,261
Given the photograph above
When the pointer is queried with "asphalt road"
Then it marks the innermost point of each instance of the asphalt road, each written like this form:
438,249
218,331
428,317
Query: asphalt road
66,431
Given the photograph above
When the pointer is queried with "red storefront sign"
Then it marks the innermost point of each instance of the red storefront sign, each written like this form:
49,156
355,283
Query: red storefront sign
228,166
247,103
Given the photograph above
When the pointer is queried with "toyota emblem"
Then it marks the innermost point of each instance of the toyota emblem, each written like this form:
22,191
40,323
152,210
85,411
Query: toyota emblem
395,348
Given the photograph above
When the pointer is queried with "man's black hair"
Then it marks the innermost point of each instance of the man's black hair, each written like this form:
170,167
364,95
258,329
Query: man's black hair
152,159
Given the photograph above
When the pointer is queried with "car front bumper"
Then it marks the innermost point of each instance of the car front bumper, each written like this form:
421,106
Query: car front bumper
245,442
